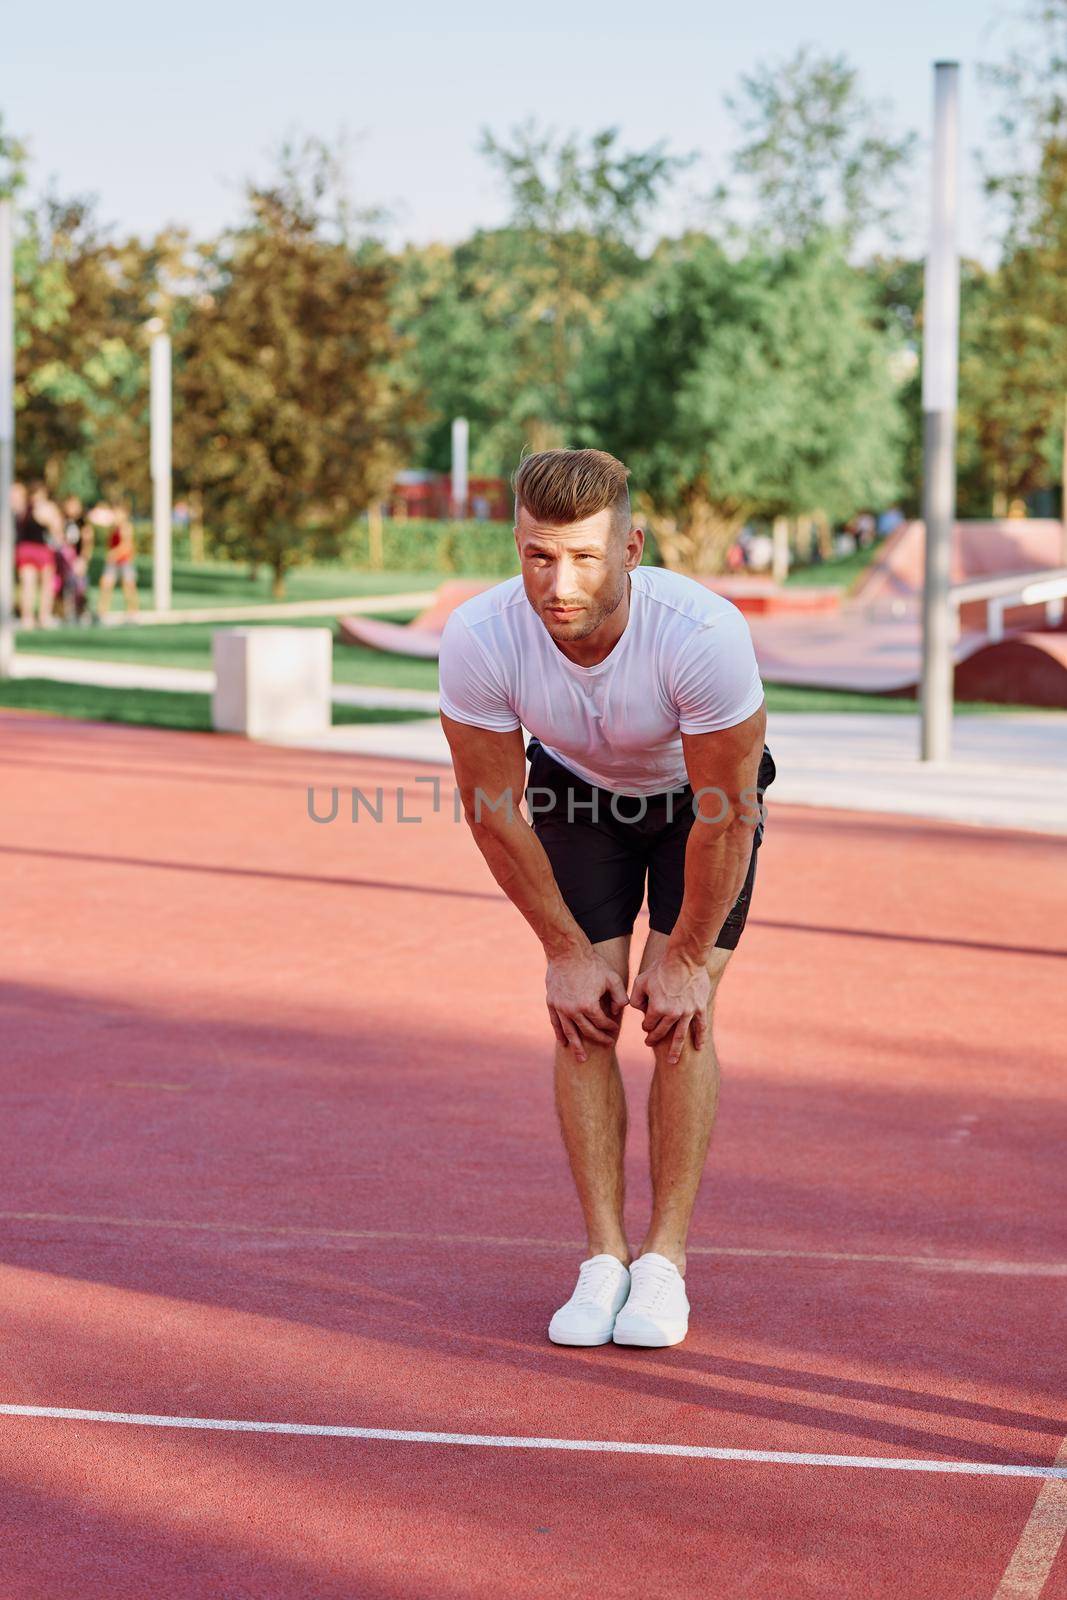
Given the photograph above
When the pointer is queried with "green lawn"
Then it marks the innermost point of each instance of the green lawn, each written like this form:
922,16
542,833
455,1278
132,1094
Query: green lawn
787,697
188,644
839,569
163,708
153,708
224,583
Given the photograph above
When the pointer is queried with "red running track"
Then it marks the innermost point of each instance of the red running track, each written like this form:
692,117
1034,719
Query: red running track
277,1144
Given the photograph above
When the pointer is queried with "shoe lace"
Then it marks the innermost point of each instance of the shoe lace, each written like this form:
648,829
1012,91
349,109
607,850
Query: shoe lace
596,1283
649,1284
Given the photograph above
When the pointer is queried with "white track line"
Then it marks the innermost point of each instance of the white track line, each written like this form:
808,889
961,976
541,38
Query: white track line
1029,1568
791,1458
1015,1269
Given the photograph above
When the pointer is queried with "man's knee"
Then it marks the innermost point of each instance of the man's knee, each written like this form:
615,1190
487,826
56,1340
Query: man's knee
616,953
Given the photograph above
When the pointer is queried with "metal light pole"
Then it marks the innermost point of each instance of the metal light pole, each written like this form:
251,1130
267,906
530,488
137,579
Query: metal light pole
941,319
460,448
162,522
7,437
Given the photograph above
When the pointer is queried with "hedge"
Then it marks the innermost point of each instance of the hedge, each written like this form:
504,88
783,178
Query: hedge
480,549
475,549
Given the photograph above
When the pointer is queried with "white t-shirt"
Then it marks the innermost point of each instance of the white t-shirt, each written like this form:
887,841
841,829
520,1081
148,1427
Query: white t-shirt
684,664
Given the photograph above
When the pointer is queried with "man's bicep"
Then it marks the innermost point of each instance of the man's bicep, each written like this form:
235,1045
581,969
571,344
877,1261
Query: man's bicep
490,768
725,764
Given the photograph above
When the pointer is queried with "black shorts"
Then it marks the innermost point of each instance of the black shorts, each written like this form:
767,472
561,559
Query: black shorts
599,859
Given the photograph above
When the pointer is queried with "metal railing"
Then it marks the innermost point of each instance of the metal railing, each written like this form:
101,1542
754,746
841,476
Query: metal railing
1048,586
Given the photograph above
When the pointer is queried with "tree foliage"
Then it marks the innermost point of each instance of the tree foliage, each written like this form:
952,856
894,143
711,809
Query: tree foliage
499,322
289,419
81,366
817,155
1013,375
737,387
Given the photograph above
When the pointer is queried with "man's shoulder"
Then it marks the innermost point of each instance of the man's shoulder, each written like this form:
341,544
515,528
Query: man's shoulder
678,597
489,604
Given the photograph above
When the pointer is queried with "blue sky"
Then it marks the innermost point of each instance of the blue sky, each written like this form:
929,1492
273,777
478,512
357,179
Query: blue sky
161,111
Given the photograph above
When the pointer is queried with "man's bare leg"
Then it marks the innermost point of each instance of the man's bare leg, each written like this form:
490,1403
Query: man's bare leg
591,1105
682,1102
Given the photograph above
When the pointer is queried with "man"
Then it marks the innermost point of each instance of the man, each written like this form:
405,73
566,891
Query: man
641,690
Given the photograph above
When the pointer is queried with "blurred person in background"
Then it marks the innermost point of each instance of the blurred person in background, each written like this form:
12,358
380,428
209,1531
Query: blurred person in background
759,552
77,550
865,530
38,534
120,563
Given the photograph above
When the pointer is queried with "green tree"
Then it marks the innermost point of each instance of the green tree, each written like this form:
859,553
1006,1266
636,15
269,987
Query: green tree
817,154
81,301
498,323
742,387
896,283
82,364
455,309
290,418
1013,388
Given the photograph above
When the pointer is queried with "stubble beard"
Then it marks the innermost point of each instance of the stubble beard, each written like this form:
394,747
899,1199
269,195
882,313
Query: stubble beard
580,627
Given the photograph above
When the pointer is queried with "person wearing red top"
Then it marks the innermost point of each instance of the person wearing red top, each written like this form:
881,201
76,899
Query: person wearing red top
120,563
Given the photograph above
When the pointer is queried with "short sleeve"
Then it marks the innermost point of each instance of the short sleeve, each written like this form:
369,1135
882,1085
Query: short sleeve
716,679
472,689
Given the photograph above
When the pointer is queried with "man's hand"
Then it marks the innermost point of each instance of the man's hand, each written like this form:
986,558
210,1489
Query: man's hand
575,989
673,993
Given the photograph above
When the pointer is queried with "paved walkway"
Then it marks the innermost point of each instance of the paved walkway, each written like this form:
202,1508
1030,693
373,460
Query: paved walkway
273,611
1007,771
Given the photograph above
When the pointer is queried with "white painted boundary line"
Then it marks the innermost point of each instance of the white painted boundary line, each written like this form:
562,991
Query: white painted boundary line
792,1458
1021,1269
1039,1543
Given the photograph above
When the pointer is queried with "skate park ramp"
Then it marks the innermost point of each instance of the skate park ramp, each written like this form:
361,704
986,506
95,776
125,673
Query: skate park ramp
873,644
422,636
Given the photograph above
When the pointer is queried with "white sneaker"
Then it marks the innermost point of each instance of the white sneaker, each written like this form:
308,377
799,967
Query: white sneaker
589,1315
657,1312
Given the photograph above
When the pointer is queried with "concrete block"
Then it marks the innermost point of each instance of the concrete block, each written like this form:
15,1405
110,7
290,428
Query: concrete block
272,682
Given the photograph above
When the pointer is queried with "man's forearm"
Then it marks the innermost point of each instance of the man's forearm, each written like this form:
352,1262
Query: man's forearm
716,863
517,860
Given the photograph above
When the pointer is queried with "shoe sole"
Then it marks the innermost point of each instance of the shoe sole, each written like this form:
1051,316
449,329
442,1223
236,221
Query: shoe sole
585,1343
651,1344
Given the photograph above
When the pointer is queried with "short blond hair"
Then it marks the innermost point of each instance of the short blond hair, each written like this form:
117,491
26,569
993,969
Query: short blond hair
561,486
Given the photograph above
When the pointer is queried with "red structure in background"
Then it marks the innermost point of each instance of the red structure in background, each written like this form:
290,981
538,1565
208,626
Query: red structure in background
429,494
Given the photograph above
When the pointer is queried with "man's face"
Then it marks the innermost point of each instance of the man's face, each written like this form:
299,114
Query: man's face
575,575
